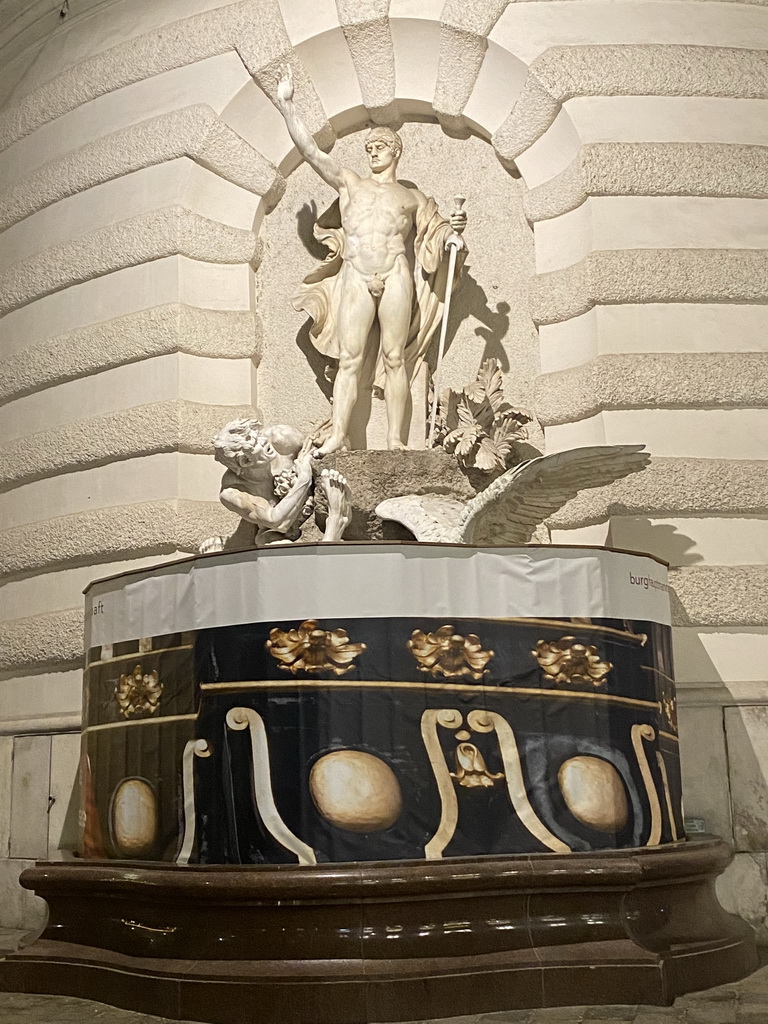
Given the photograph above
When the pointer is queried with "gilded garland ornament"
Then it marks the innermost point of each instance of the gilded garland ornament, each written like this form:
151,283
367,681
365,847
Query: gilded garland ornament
309,648
138,693
448,654
566,661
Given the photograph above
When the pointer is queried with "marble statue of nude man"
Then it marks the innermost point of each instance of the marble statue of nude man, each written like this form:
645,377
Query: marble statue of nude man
375,276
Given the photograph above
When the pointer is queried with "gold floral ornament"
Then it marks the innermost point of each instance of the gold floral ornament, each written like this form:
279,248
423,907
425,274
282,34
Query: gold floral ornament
565,661
471,769
446,653
669,709
138,693
311,649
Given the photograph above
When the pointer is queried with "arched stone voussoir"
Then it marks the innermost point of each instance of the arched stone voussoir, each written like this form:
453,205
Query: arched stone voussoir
171,231
644,69
307,101
532,115
464,28
366,29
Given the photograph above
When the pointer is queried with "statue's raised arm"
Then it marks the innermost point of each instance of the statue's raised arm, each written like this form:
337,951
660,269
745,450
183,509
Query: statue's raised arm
329,169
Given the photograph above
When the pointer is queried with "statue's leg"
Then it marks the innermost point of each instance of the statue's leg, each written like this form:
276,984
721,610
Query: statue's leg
355,318
394,320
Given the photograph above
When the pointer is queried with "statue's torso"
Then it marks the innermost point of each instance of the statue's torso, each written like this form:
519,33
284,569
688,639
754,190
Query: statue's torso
377,219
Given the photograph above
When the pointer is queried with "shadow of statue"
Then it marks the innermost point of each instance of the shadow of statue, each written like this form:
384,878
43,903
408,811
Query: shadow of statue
471,300
323,368
661,539
306,218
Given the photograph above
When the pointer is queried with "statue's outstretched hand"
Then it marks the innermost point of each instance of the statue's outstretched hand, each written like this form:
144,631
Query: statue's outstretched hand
285,87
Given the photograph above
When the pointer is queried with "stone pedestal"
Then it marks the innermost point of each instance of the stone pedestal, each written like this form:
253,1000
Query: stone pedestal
376,475
351,943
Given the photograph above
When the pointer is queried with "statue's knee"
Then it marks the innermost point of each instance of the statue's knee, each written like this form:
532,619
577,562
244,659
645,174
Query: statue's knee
350,364
393,361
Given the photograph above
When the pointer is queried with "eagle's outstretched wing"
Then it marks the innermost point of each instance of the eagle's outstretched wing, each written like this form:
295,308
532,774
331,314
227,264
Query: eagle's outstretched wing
429,517
513,505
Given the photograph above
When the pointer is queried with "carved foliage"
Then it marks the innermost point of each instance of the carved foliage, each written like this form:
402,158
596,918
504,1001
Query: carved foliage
477,425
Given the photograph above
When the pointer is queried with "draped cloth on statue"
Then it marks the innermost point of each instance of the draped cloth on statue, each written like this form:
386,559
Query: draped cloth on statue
320,294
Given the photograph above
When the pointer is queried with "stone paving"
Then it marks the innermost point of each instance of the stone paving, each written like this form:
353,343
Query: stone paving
745,1002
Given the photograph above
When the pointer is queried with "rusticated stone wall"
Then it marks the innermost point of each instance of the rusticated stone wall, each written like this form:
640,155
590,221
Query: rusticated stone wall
140,154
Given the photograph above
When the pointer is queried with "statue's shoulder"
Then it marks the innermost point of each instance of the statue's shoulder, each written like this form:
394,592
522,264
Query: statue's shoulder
416,193
231,479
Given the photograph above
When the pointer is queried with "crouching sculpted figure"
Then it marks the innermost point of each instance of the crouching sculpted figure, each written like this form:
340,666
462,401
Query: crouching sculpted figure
268,481
386,262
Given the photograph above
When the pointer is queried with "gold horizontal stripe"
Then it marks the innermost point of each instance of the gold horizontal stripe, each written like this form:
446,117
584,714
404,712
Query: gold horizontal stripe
140,721
657,672
669,736
314,684
138,655
636,637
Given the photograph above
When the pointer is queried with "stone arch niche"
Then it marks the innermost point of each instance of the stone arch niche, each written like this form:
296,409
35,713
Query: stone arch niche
444,154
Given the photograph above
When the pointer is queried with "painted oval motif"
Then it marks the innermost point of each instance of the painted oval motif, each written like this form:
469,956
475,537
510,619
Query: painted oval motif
356,791
134,817
594,793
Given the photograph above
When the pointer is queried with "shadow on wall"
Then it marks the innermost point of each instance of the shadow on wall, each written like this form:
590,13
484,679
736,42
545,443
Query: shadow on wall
664,540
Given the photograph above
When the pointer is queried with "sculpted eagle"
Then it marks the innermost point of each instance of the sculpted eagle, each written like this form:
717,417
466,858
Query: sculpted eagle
512,506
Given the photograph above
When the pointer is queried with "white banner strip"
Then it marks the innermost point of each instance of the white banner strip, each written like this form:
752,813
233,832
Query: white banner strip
381,580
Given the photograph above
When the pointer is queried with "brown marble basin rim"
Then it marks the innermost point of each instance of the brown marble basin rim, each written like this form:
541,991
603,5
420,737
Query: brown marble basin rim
328,882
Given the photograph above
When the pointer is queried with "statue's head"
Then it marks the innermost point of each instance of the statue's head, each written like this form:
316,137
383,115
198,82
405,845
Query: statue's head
242,444
383,146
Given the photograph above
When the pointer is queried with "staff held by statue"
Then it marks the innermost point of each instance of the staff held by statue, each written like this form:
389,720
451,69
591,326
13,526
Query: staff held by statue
454,243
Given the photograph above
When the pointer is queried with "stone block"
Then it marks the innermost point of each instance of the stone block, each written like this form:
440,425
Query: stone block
610,1013
6,776
29,796
659,1015
19,908
704,763
62,818
743,889
747,737
709,1013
